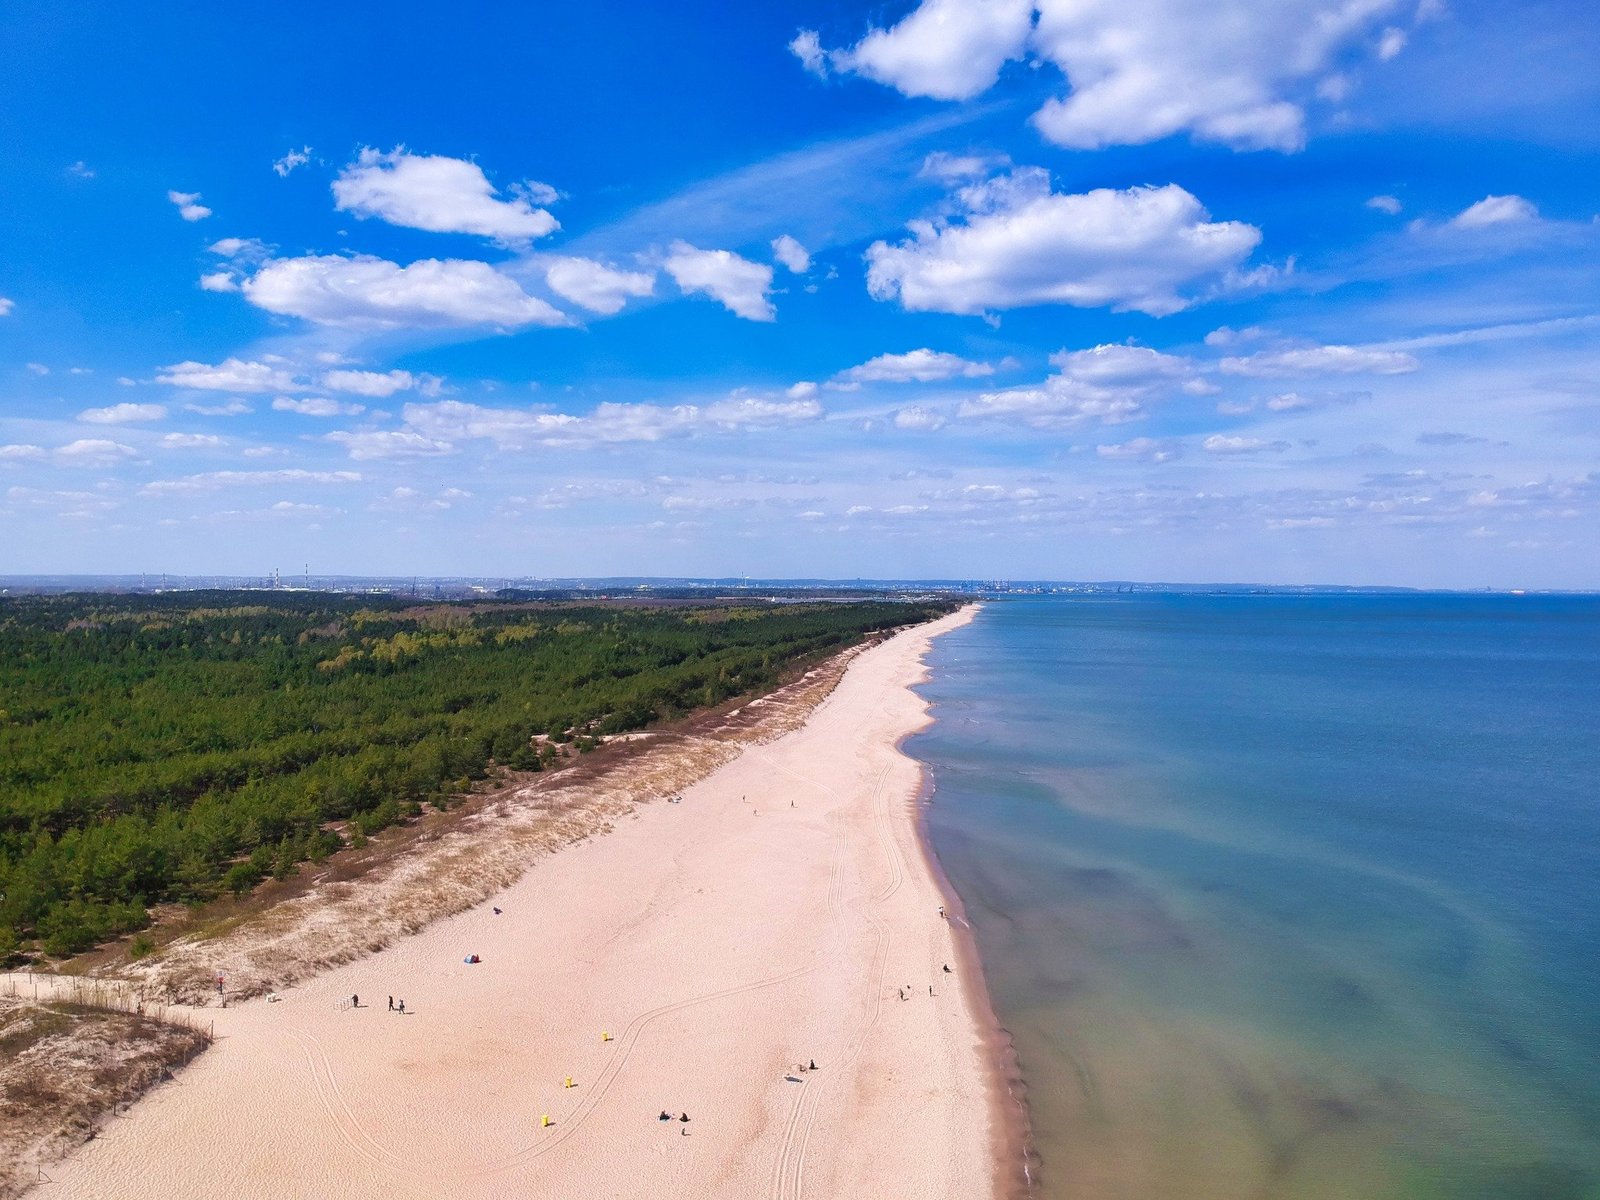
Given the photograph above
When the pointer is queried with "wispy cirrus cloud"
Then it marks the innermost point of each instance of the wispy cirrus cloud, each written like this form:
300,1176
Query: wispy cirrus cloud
213,480
1320,360
439,428
1495,210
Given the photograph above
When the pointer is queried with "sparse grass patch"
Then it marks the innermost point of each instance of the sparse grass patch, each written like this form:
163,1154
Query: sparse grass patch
65,1063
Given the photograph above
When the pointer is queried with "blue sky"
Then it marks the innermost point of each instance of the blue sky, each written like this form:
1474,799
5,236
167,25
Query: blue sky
1273,290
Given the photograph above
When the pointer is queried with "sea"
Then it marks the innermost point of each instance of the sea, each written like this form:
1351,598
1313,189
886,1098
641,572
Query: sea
1284,896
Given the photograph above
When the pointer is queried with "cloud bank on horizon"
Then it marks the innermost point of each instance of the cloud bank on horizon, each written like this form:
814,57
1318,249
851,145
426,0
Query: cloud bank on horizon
1013,288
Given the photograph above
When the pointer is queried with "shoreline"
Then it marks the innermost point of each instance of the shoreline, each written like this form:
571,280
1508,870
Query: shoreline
1015,1157
738,946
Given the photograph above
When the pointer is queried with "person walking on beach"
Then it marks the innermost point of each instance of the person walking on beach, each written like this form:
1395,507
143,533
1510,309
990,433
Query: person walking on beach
401,1008
391,1003
355,1001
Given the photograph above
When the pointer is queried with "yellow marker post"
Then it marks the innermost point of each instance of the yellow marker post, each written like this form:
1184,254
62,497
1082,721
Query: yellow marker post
569,1082
544,1121
604,1036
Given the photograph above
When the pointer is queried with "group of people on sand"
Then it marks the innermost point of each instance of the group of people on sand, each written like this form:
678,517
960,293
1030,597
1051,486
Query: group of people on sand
355,1002
683,1119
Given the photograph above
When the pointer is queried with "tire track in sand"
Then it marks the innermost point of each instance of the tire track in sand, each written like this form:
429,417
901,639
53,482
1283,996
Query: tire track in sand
790,1178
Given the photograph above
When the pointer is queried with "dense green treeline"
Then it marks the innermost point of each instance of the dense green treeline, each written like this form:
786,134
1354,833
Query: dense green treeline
170,747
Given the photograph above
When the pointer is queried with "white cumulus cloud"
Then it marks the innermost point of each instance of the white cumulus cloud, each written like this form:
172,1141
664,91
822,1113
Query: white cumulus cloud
190,441
1018,243
123,414
189,206
369,383
441,195
807,47
234,247
791,254
6,306
91,451
232,408
360,291
1123,365
291,160
1385,204
916,366
596,286
1238,72
946,49
739,285
1106,385
230,375
219,281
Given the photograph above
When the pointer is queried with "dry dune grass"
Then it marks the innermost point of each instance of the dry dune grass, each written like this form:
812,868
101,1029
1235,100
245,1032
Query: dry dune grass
360,902
68,1058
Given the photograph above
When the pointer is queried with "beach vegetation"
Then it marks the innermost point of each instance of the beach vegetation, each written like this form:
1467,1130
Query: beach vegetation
178,747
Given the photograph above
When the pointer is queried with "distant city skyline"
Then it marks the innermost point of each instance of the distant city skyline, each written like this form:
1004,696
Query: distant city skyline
1275,291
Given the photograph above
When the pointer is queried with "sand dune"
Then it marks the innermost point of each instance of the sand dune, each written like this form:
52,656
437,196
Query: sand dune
772,918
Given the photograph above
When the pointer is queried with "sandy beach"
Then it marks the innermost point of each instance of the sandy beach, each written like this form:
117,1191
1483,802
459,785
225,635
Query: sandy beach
689,962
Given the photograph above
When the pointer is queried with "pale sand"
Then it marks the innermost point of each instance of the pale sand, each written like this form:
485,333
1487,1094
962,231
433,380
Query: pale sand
721,942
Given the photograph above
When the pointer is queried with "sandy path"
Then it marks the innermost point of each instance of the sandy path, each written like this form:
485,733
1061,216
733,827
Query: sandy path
770,919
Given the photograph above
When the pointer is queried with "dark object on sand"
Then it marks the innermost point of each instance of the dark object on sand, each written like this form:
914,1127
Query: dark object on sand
665,1116
684,1118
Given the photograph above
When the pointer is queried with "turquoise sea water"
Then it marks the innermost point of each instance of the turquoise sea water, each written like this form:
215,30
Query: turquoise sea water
1285,896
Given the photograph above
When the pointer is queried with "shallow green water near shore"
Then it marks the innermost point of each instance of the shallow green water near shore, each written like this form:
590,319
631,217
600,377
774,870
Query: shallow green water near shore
1285,896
